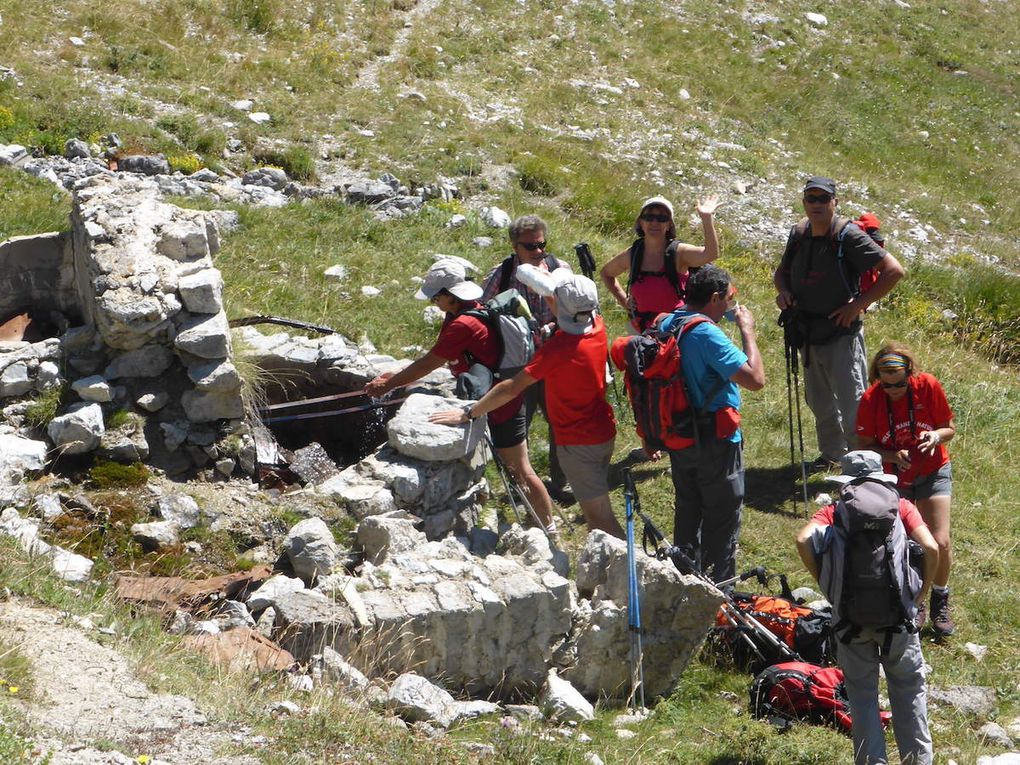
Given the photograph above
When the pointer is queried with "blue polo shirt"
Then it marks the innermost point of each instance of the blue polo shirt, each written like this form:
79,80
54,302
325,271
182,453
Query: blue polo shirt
708,356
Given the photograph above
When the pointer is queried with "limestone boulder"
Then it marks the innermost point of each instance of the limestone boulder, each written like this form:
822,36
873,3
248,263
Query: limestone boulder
307,622
156,535
677,612
20,455
202,292
147,361
382,536
311,549
411,433
270,590
180,509
202,406
205,336
562,701
79,430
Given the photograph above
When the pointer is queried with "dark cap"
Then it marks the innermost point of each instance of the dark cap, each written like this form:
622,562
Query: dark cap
822,184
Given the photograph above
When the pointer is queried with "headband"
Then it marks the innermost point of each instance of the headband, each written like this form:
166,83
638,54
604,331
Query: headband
893,361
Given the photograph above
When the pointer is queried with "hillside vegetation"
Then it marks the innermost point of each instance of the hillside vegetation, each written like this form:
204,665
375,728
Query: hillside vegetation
578,112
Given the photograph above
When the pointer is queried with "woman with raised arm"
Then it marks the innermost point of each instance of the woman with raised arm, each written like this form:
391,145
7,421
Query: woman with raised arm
657,264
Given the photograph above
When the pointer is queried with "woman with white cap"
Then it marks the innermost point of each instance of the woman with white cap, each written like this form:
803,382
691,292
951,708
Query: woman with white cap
572,362
464,339
657,263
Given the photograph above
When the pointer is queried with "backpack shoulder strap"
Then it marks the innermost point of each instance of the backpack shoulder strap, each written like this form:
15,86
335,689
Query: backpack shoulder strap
551,263
506,269
637,252
671,273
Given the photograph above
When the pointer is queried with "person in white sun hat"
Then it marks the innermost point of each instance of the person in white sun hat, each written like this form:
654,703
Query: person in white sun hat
572,362
463,338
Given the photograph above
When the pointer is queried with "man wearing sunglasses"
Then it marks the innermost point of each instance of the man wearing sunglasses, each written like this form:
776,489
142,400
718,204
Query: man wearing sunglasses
529,241
818,279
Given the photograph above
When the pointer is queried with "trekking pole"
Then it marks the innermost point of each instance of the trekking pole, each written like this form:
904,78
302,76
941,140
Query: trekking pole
511,488
731,612
800,428
637,679
787,319
789,401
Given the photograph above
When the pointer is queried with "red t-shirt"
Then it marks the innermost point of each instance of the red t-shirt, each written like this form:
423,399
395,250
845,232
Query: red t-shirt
931,409
909,514
462,334
574,370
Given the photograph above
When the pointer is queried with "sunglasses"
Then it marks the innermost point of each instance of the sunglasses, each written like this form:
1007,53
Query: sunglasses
656,217
818,199
532,246
900,384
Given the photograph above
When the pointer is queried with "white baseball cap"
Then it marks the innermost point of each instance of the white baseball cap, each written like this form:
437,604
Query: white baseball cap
577,299
449,275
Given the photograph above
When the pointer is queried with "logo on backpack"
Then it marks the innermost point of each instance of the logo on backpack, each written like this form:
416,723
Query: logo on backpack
509,316
865,569
653,377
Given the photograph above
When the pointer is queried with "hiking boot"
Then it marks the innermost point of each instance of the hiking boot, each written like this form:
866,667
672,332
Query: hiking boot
941,621
822,463
921,617
561,495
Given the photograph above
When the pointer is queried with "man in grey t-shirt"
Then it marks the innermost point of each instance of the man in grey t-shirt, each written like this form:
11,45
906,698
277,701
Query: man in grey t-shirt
819,277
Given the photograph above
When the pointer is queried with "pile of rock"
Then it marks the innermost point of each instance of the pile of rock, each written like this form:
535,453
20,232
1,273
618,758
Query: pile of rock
264,186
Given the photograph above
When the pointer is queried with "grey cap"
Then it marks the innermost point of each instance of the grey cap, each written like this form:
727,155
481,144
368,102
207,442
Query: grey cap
449,275
577,299
861,464
821,183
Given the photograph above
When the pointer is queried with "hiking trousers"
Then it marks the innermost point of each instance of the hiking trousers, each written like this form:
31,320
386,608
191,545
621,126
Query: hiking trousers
709,484
835,378
908,696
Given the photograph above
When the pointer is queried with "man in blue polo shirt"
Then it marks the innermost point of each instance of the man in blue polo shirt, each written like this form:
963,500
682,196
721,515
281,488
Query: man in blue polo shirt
708,478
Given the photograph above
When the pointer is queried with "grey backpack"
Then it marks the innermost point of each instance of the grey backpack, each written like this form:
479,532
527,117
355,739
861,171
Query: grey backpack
508,315
865,567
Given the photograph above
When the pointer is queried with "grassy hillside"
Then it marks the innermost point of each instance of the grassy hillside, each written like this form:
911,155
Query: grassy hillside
578,112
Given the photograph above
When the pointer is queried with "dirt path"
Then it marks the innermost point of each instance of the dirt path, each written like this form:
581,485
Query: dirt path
87,696
368,76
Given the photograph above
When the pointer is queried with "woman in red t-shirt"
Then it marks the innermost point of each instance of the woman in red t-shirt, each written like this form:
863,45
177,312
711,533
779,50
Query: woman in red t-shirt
464,338
905,417
651,291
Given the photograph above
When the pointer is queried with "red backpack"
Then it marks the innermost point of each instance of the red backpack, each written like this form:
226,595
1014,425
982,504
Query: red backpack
795,690
652,374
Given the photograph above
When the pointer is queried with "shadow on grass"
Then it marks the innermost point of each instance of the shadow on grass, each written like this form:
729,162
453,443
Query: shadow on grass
641,468
778,491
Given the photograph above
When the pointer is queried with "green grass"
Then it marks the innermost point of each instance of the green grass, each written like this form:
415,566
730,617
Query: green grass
30,206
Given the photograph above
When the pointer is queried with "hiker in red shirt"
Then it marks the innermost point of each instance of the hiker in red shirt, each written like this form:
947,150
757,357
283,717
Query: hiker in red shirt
573,365
460,339
904,415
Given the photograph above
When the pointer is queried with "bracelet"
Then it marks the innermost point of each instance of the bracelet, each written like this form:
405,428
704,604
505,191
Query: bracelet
467,411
